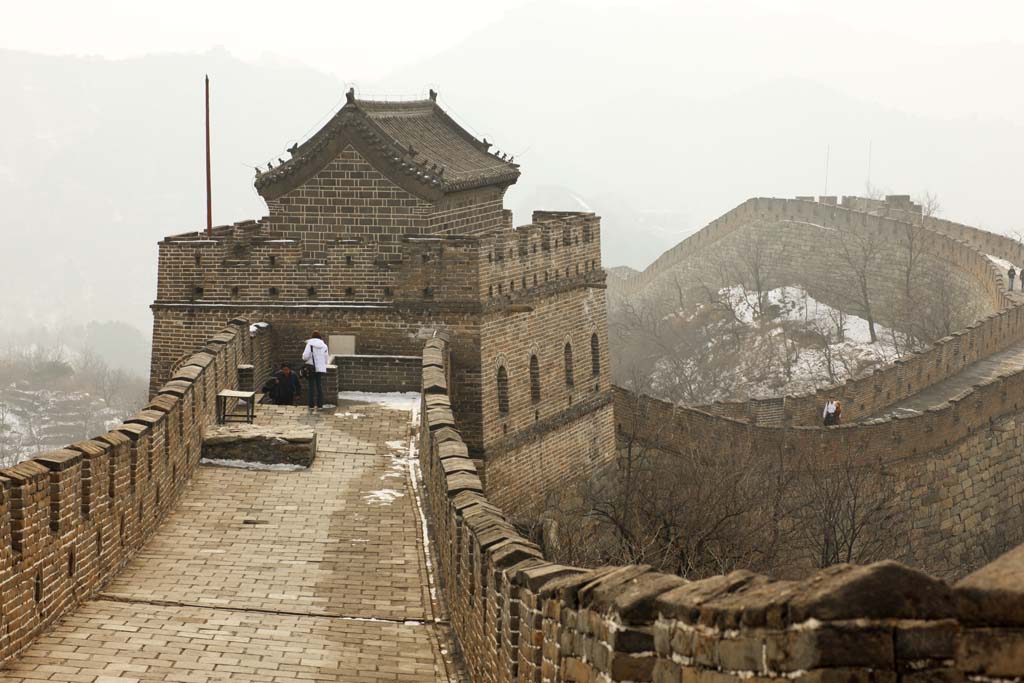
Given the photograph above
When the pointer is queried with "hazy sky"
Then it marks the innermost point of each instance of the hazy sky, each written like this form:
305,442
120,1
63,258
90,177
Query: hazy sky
366,40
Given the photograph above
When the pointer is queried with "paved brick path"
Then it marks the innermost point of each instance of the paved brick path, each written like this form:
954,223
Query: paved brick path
317,575
984,370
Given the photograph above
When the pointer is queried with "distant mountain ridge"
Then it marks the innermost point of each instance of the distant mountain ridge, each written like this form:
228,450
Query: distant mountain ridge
103,158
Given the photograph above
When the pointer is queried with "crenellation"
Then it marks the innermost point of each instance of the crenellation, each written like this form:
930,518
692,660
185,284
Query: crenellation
881,622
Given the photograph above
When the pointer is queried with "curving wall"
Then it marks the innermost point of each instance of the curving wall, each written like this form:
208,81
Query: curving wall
517,617
868,395
70,519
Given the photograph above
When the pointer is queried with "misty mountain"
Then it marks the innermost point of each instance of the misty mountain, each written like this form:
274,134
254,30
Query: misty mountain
658,135
103,158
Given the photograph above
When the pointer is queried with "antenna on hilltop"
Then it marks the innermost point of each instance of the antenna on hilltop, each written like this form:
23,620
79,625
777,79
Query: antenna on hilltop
869,164
209,200
828,151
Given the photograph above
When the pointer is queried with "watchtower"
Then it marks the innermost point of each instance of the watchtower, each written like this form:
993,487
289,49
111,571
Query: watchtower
386,225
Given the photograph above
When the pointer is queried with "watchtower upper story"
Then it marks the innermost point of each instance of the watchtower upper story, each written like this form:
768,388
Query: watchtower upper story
385,170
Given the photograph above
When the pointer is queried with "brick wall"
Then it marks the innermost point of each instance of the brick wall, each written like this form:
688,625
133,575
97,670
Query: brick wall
70,519
391,302
518,617
378,373
544,285
958,468
959,250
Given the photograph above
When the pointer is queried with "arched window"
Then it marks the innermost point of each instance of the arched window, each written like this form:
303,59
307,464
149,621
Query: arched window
534,379
502,390
568,365
595,355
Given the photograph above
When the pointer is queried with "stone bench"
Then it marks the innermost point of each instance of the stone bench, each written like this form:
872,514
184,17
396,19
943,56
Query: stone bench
259,444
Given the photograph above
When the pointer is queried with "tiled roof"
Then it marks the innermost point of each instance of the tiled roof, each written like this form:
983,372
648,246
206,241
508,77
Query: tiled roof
416,143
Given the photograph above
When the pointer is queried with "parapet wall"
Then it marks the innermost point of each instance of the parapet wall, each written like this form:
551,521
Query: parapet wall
556,247
70,519
517,617
866,396
957,467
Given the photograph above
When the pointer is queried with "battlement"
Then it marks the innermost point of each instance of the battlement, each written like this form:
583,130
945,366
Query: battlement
244,265
518,616
960,248
553,251
70,519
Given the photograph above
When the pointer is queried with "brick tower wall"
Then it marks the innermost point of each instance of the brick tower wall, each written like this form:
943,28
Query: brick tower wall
546,288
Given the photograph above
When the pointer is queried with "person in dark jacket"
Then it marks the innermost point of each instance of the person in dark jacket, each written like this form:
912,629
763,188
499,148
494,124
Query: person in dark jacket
286,386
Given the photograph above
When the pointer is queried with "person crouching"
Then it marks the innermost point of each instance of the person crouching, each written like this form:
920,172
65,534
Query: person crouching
286,386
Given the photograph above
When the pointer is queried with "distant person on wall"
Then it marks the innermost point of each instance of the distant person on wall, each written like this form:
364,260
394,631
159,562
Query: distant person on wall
315,356
828,415
839,413
1013,273
286,387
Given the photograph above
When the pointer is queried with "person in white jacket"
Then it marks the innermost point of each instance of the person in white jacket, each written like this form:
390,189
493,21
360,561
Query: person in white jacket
828,415
315,356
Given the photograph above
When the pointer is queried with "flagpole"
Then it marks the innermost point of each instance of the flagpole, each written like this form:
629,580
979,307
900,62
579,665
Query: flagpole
209,201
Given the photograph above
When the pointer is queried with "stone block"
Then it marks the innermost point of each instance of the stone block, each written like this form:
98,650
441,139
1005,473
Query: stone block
926,640
263,445
685,601
877,591
832,645
991,652
993,595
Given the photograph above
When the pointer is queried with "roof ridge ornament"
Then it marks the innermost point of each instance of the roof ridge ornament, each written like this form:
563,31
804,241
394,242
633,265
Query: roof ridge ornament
350,96
433,95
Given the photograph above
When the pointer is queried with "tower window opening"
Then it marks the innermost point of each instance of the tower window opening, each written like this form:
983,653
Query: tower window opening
534,379
502,390
567,352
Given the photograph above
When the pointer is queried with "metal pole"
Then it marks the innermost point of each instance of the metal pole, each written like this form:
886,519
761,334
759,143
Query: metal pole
209,201
828,153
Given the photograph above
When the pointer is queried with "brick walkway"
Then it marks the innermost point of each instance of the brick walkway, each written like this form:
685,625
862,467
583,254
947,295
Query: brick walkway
984,370
317,575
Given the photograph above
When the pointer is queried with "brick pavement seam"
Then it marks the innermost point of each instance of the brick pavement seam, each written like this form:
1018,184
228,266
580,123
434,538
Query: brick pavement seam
106,597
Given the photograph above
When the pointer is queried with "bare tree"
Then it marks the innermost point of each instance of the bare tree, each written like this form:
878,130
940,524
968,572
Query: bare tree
847,511
752,264
861,251
667,501
930,205
10,442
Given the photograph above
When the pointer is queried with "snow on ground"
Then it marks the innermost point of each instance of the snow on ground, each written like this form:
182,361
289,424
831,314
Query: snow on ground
383,496
246,465
794,304
1005,266
395,400
797,345
1001,262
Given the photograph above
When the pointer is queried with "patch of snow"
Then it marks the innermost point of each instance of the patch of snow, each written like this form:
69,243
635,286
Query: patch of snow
246,465
383,496
1001,262
352,416
394,400
791,343
1005,266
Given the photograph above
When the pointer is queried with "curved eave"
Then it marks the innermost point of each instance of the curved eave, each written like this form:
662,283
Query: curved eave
352,127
